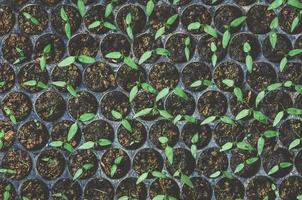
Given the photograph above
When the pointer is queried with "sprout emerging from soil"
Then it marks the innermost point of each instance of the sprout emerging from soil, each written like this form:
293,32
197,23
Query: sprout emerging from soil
226,119
60,195
158,51
145,175
21,55
187,42
67,25
128,21
81,7
261,140
170,21
125,123
115,165
6,192
68,87
237,91
184,178
164,197
248,59
168,150
81,58
279,166
214,58
90,144
126,59
10,114
81,170
199,83
290,111
7,171
205,27
242,165
42,59
35,83
134,90
291,53
194,141
225,174
149,7
240,145
227,34
33,20
272,34
102,23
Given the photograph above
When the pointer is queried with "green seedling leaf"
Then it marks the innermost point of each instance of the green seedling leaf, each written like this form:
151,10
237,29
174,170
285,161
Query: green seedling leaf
215,174
67,61
162,52
227,146
249,63
143,112
114,55
158,174
149,7
86,117
294,111
294,24
108,9
295,3
147,87
160,32
94,24
77,174
238,93
194,26
104,142
130,62
64,15
56,144
72,131
145,57
42,62
169,154
71,90
251,160
194,150
259,97
260,116
227,119
129,32
87,145
273,170
228,82
159,197
165,114
177,119
285,165
163,139
294,144
278,118
242,114
164,92
270,134
237,22
275,4
180,92
186,180
116,114
244,146
133,93
226,38
283,63
109,26
208,120
68,30
30,83
239,168
210,30
86,59
171,19
141,178
118,160
127,125
273,38
81,7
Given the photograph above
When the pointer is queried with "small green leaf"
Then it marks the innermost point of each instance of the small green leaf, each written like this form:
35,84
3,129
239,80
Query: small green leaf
239,168
114,55
165,114
127,125
249,63
81,7
68,30
259,97
86,117
247,47
226,38
294,144
141,178
251,160
149,7
116,114
237,22
162,52
164,92
172,19
273,170
169,154
299,197
30,83
86,59
59,83
275,4
278,118
228,82
294,24
242,114
226,119
226,146
159,197
295,3
210,30
194,150
145,57
158,174
215,174
77,174
270,134
133,93
64,15
130,32
67,61
42,62
208,120
186,180
108,9
160,32
163,139
285,164
71,90
244,146
187,53
273,38
72,131
130,62
118,160
56,144
194,26
294,111
283,63
238,93
94,24
104,142
260,116
109,25
143,112
180,92
87,145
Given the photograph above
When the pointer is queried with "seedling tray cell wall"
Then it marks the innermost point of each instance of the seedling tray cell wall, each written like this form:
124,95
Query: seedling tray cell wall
150,99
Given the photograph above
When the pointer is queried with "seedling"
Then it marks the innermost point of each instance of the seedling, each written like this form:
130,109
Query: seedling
184,178
102,23
2,137
7,171
291,53
60,195
21,55
181,93
205,27
116,163
81,7
119,116
240,145
145,175
275,189
164,197
81,58
187,118
194,141
227,34
128,21
67,26
276,4
31,18
187,43
214,57
81,170
149,7
42,59
2,83
279,166
299,197
68,87
126,59
248,59
225,174
258,115
25,198
10,114
199,83
109,8
170,21
6,193
49,159
237,91
35,83
210,119
91,144
168,149
146,55
261,140
247,162
272,34
290,111
296,21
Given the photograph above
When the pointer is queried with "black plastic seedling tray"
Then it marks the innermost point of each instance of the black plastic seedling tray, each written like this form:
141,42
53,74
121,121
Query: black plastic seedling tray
150,99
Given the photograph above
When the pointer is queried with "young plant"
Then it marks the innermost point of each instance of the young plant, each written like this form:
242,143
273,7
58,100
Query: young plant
67,26
21,55
126,59
129,30
149,7
296,21
2,138
170,21
299,197
6,193
275,189
31,18
42,59
35,83
168,149
180,93
117,161
158,51
7,171
226,119
258,115
225,174
109,8
24,198
272,34
199,83
247,162
194,141
290,111
184,178
261,140
81,170
81,7
10,115
145,175
205,27
227,34
276,4
164,197
2,83
102,142
61,195
279,166
237,91
248,59
66,85
125,123
214,57
102,23
187,43
291,53
49,159
240,145
81,58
